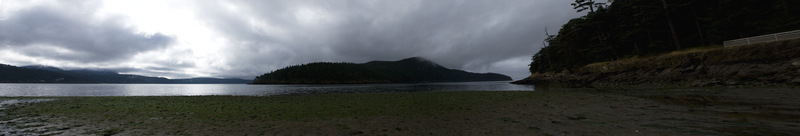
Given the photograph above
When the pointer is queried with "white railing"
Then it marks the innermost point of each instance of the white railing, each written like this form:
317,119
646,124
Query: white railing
764,38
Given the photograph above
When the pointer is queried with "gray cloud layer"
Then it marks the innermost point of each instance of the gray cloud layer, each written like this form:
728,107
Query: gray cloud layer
463,34
67,32
261,36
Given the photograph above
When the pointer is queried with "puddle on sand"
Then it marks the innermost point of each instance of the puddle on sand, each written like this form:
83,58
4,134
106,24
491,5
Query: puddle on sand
7,102
5,125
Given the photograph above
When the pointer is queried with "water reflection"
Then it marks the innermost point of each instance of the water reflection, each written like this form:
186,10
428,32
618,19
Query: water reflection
240,89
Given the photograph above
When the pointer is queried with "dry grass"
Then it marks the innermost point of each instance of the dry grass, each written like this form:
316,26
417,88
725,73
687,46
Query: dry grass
766,52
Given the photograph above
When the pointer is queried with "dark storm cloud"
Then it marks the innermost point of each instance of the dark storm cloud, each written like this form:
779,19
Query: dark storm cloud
474,35
67,31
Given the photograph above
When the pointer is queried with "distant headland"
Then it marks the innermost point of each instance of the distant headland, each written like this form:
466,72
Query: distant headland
410,70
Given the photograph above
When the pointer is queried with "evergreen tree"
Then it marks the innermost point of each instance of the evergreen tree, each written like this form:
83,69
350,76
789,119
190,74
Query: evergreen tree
627,28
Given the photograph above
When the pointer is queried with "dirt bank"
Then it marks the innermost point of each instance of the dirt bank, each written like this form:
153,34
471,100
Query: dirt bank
776,63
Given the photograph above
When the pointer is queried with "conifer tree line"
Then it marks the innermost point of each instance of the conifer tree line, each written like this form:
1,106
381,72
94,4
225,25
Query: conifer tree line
625,28
410,70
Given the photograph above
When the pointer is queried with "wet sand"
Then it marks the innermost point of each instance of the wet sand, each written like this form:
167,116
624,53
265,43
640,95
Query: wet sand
715,111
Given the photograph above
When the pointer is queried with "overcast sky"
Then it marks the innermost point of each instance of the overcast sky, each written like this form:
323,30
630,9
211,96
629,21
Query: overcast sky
246,38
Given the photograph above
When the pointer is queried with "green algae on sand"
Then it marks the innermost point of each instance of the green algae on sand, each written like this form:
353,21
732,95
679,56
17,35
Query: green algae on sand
570,111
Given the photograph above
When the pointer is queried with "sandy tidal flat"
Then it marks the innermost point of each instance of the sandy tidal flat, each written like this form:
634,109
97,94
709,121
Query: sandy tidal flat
760,111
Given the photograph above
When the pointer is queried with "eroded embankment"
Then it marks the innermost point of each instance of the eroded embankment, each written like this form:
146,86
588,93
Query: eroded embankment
776,63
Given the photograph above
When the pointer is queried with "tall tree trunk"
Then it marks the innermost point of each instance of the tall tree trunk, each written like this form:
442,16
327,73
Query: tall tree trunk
547,54
671,26
699,30
784,4
544,45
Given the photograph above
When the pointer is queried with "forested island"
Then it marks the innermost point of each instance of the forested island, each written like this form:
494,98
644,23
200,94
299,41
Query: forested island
48,74
410,70
670,42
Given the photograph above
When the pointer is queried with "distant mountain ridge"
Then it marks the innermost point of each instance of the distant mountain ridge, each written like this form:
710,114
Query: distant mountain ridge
13,74
410,70
43,67
49,74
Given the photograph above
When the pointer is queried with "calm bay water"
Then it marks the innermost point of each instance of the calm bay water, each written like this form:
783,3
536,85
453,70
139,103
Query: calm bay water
240,89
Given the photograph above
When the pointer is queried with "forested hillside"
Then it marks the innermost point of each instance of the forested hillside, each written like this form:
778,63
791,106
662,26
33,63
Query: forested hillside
48,74
410,70
13,74
323,72
628,28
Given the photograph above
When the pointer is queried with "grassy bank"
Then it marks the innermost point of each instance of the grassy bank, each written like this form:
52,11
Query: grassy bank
428,113
781,51
770,64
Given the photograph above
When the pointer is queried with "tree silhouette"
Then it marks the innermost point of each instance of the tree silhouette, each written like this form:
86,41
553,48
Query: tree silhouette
409,70
582,5
628,28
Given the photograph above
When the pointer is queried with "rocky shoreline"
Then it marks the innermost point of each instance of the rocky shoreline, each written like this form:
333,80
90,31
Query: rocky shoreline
771,64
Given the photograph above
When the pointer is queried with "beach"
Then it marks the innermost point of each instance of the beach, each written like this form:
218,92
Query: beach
690,111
